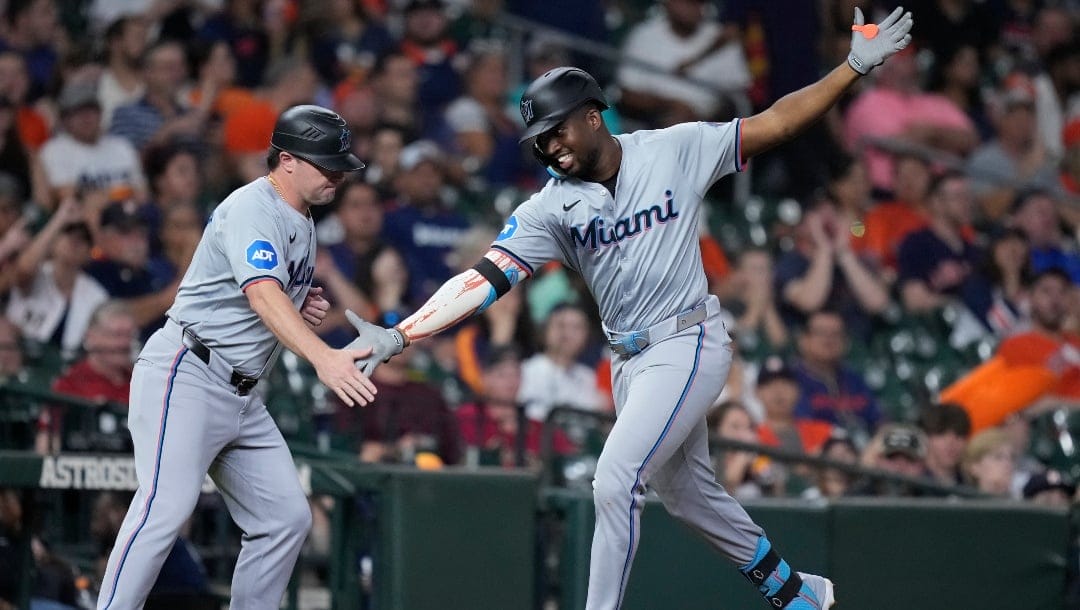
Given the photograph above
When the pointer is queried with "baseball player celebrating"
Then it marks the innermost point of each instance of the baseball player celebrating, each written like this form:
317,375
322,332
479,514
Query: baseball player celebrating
195,403
623,211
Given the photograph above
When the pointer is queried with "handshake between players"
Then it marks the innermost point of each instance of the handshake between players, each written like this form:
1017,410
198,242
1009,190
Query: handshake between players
385,343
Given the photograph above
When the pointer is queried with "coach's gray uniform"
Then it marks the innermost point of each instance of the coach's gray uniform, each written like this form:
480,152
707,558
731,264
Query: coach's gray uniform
189,417
640,257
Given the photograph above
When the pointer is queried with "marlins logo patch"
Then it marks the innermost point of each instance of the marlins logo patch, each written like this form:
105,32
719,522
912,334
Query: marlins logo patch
346,140
526,110
261,255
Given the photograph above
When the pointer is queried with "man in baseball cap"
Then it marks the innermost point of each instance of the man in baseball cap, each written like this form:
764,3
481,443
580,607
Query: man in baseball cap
672,354
76,96
122,216
196,405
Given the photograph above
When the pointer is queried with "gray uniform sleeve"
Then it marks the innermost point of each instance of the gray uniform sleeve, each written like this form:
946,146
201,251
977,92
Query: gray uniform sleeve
709,151
254,243
527,238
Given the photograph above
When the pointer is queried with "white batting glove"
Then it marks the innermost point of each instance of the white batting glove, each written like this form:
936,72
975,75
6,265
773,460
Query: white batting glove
385,343
872,44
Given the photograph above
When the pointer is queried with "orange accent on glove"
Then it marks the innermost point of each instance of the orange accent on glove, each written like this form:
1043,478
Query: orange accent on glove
869,30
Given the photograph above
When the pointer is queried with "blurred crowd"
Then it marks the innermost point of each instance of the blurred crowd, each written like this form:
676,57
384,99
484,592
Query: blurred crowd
901,281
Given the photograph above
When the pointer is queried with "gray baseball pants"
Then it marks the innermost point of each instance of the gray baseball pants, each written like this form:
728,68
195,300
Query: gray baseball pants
660,442
185,421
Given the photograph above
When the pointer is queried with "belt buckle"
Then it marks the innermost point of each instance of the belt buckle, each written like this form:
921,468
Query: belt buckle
689,318
243,384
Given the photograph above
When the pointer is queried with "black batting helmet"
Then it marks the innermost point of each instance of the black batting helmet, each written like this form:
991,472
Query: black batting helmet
318,136
550,98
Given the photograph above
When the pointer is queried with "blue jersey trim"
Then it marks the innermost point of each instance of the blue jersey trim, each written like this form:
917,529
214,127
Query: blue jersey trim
157,471
739,164
645,462
517,259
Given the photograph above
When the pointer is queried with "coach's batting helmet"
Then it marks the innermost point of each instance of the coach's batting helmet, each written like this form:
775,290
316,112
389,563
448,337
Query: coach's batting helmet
318,136
553,96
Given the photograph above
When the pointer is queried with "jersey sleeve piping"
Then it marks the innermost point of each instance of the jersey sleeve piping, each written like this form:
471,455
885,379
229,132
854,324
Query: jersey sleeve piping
260,278
517,259
740,164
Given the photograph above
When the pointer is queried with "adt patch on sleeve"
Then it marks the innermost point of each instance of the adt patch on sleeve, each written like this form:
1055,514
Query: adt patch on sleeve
509,229
261,255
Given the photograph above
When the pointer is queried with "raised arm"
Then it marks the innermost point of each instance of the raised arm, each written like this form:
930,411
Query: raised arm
787,117
28,264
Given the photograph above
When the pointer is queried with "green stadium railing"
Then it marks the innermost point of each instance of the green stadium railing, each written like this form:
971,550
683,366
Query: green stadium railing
559,417
457,537
489,538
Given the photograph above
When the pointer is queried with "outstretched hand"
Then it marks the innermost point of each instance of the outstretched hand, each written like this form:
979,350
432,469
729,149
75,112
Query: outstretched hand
385,343
338,372
872,44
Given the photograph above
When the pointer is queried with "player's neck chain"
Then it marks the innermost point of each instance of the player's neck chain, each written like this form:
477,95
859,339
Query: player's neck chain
277,188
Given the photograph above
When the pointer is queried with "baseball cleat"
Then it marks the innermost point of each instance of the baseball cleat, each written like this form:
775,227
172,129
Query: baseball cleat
815,594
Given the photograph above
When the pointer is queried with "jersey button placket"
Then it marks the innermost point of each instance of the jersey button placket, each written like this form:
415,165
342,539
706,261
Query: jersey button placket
625,272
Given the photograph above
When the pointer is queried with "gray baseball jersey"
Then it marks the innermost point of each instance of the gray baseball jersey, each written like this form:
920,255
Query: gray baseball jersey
251,237
638,251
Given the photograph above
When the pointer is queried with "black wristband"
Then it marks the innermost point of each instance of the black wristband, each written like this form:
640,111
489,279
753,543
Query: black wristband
495,276
762,569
